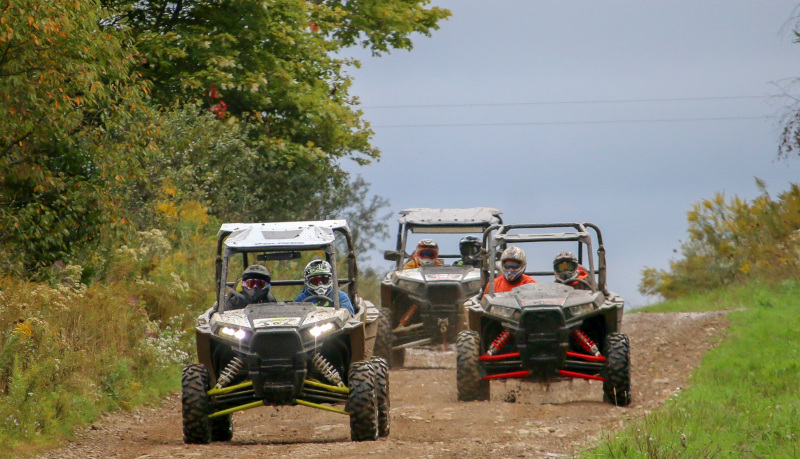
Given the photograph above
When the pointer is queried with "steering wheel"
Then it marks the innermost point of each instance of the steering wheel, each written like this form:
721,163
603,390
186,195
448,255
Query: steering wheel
228,288
318,297
575,279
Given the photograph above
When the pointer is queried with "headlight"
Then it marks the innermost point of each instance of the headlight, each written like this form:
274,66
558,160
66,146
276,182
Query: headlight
232,332
413,287
505,311
317,330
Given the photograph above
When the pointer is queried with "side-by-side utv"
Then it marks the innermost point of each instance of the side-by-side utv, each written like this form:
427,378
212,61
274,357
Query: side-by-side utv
424,305
549,330
280,352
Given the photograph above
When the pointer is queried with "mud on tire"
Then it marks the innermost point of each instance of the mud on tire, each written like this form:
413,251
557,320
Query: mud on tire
617,386
470,385
383,342
363,402
195,404
382,386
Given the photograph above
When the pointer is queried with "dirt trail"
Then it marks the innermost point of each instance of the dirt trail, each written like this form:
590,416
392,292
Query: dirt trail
522,420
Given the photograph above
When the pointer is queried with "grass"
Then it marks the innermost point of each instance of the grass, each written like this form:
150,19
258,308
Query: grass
743,400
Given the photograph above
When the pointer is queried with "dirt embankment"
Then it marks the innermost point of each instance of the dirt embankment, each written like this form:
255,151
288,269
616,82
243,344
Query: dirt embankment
522,419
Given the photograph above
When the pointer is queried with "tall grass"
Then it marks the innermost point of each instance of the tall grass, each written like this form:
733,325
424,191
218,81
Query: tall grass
743,400
71,351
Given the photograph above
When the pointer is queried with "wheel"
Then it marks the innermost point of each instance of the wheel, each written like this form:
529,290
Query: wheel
383,342
470,385
617,386
222,428
382,383
363,402
398,358
195,404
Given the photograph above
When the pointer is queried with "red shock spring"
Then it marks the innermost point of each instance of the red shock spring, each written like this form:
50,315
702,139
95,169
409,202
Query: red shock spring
499,342
408,315
585,342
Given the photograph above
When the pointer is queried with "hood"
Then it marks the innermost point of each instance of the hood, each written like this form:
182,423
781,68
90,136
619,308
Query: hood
545,294
431,274
279,314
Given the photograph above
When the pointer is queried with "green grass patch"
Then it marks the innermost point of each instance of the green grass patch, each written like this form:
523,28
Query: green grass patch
743,400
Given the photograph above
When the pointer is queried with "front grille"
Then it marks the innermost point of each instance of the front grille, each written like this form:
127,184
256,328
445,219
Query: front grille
545,343
444,294
276,345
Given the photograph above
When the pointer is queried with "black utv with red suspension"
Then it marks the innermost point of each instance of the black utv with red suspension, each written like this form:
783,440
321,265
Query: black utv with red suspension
550,330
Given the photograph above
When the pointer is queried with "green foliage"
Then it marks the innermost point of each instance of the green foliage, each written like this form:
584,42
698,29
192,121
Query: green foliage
731,241
742,401
69,351
63,84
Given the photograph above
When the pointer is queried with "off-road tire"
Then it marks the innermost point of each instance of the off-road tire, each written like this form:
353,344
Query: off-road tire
363,402
617,386
195,404
382,382
470,385
383,342
398,358
222,428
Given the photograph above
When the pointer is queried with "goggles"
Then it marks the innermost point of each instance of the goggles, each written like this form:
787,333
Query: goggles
565,266
255,284
512,266
319,280
427,253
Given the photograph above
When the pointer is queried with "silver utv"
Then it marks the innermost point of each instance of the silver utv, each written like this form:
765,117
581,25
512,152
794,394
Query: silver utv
283,352
424,306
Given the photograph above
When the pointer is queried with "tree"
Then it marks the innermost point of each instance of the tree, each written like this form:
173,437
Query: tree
61,80
269,69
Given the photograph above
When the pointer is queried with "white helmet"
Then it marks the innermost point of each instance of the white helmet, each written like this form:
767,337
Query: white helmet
427,252
511,270
319,277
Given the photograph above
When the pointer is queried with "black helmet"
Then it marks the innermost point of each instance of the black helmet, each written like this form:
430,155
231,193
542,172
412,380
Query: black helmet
470,248
255,283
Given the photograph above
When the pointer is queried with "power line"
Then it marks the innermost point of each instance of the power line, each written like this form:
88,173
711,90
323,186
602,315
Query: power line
554,123
565,102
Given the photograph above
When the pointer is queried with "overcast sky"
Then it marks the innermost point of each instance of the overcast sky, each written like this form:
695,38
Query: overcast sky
621,113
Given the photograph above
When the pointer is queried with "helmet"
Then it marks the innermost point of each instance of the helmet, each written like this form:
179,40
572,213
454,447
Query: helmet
470,248
565,266
318,276
512,271
427,252
255,283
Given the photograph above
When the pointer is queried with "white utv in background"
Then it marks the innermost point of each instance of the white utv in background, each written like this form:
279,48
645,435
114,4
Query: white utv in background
285,352
425,305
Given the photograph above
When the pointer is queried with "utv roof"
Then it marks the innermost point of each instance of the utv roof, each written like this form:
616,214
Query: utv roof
281,234
451,217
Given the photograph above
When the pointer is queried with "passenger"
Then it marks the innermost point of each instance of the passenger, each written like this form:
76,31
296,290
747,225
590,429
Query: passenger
318,277
470,248
512,265
566,267
426,255
255,286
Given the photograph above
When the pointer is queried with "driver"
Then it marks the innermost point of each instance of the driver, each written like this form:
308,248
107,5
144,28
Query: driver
566,267
470,248
512,265
318,282
425,255
254,288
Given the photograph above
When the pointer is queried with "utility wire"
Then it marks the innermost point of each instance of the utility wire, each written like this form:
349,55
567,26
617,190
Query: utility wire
566,102
554,123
